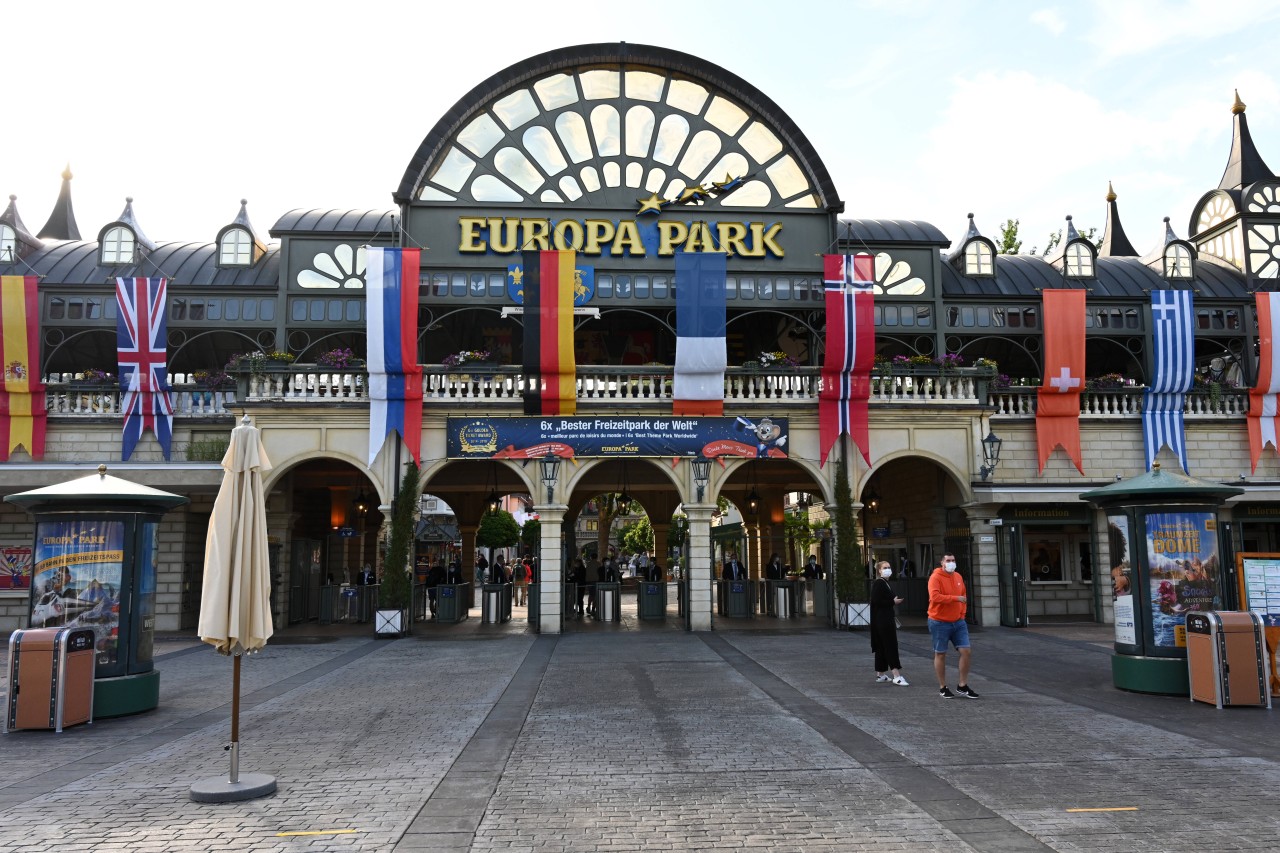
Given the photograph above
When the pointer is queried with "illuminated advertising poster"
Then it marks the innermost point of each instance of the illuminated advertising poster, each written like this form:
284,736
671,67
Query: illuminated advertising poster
15,568
1182,560
1121,579
78,567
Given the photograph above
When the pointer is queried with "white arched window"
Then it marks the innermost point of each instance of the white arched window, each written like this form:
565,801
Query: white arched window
978,259
1079,259
118,246
236,248
1177,262
8,245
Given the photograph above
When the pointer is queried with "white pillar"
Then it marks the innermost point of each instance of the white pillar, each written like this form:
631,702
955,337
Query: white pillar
550,568
700,570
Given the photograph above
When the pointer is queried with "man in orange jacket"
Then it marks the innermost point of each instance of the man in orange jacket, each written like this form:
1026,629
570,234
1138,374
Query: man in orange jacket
948,601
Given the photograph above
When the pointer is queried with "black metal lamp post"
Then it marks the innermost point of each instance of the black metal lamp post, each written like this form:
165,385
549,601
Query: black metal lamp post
550,464
990,454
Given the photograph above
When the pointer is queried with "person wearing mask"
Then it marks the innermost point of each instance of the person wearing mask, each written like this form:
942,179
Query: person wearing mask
948,601
884,630
773,571
733,570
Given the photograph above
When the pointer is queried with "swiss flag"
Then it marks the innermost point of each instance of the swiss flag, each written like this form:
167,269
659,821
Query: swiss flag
1058,406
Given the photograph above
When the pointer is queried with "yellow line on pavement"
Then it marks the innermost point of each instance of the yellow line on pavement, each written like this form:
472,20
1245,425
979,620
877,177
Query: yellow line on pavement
1114,809
319,832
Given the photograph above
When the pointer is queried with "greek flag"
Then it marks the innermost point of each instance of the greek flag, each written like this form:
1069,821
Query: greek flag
1174,371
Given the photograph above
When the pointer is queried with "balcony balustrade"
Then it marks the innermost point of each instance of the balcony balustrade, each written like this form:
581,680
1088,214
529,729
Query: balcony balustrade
621,385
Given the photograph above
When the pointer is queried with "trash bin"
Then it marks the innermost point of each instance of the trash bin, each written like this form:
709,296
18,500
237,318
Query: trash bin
50,678
782,594
653,600
492,611
608,604
1227,658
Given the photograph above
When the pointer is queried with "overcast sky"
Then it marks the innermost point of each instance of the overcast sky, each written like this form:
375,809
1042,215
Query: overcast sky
919,110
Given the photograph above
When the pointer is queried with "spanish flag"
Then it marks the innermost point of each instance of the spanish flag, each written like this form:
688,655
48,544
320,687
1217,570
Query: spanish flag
22,416
550,372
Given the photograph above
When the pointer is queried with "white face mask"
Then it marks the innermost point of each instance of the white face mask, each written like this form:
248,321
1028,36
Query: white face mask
886,572
949,566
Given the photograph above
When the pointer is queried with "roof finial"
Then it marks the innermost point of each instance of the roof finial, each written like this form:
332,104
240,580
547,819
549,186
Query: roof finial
1111,193
1238,106
66,173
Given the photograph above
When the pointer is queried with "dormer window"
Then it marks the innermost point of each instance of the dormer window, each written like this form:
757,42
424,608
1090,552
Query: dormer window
1079,260
979,259
1177,263
118,246
235,248
8,245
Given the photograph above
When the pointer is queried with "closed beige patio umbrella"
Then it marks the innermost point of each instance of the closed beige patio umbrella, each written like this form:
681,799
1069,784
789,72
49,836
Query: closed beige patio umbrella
235,606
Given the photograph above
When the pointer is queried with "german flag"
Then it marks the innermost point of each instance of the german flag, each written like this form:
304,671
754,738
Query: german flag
22,407
550,373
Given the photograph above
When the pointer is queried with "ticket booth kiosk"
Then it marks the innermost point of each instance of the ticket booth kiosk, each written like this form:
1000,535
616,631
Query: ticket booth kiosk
95,558
1166,563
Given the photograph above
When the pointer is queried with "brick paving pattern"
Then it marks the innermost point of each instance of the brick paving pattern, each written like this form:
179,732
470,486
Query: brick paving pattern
614,739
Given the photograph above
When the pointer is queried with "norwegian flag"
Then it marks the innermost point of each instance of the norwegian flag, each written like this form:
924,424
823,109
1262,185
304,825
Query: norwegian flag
141,333
850,353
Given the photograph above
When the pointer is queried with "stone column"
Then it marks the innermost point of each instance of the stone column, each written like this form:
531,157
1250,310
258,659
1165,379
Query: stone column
985,570
550,568
699,567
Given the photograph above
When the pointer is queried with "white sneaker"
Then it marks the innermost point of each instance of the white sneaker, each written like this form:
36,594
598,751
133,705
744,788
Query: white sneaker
901,681
882,677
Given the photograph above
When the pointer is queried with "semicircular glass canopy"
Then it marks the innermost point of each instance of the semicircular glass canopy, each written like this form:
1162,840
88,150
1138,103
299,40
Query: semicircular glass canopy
605,137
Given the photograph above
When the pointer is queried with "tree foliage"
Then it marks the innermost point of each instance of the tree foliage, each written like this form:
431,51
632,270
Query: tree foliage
637,537
497,530
531,535
850,580
395,589
1009,244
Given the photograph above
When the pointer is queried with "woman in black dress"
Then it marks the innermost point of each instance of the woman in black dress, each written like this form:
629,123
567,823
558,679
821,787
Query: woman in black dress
884,631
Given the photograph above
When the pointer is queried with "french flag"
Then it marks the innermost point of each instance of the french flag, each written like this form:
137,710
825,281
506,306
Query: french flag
395,377
701,352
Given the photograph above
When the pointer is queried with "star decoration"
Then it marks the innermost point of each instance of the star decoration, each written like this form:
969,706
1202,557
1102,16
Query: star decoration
652,204
694,193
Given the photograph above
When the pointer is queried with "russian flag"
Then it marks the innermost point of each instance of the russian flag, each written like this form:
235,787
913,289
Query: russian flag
395,377
701,352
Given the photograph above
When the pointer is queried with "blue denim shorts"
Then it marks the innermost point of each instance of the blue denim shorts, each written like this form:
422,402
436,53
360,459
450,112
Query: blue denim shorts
955,633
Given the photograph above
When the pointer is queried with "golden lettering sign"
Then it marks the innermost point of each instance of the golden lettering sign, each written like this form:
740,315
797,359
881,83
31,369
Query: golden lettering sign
507,235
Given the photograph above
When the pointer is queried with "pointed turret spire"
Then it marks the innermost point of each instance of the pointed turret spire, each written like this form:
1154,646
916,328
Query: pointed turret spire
1245,166
62,221
24,243
127,218
1115,243
1169,236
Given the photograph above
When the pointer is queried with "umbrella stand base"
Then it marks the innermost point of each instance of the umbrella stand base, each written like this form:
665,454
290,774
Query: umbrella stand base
220,790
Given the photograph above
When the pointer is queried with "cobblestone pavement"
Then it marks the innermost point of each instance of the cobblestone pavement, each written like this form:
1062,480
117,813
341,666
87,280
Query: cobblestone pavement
615,739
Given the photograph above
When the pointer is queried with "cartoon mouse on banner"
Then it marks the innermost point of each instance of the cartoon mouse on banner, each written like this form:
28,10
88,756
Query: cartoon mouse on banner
768,436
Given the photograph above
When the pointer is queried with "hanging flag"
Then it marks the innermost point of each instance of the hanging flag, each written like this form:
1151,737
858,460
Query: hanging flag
850,353
1262,397
550,370
701,351
141,349
391,324
1058,404
1174,346
22,406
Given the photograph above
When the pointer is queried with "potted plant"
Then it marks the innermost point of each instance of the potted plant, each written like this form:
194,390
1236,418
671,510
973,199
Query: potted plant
766,360
468,356
94,376
341,358
851,581
259,361
212,380
395,590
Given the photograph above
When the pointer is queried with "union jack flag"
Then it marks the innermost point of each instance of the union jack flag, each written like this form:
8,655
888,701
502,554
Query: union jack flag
141,334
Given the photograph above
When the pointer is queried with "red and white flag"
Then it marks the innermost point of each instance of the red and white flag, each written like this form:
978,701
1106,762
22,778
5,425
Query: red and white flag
850,353
1058,404
1262,397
